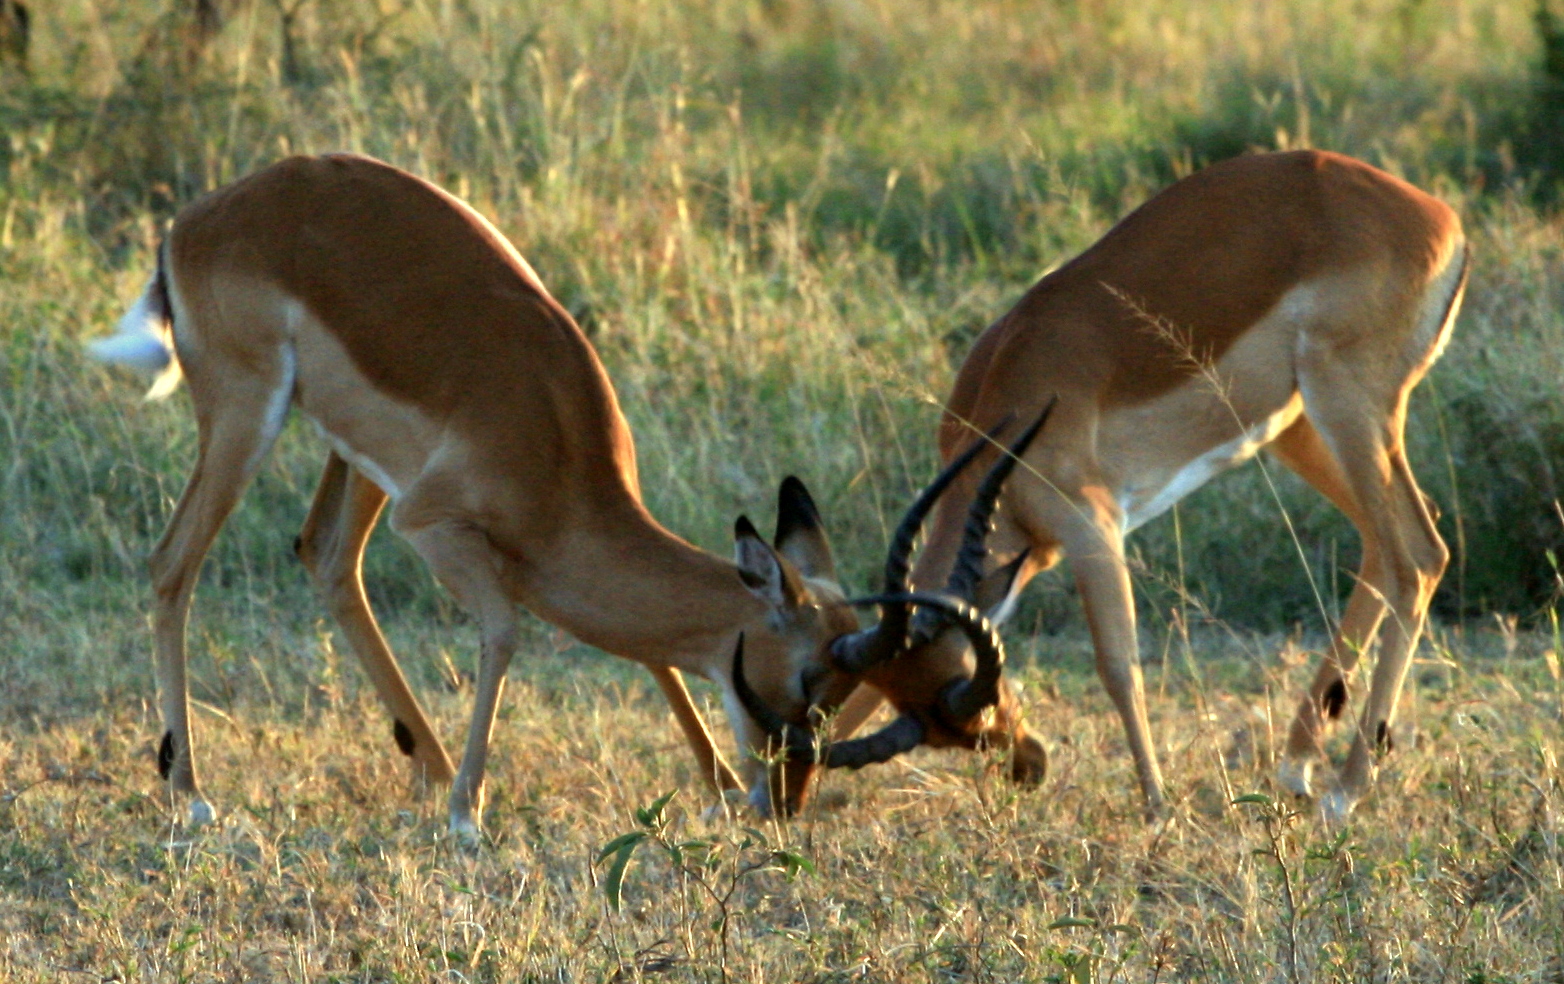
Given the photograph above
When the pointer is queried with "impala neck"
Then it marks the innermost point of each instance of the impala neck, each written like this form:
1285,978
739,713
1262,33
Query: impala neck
624,584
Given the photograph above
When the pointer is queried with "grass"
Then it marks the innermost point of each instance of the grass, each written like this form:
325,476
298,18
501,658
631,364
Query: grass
931,869
781,224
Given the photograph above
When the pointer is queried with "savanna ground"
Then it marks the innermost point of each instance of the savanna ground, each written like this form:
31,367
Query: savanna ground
781,224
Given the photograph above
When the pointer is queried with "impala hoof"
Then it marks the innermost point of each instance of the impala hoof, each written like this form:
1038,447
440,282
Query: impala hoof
1336,808
733,802
201,813
1296,776
465,832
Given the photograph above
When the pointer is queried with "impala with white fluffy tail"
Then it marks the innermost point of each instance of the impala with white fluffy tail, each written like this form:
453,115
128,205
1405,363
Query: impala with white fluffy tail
447,381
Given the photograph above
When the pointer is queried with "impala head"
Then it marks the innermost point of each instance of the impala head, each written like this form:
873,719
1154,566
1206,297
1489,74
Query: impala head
950,678
936,656
790,644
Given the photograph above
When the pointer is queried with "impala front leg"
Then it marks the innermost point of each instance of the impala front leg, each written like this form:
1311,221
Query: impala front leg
499,644
463,560
714,770
1093,538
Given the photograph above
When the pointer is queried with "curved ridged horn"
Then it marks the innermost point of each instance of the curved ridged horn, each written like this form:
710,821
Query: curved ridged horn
964,698
968,569
907,732
858,651
902,735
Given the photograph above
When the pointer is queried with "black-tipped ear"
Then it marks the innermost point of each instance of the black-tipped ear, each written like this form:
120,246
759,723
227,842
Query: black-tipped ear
765,573
796,509
800,531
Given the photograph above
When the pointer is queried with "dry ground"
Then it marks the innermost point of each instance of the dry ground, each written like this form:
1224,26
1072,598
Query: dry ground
323,867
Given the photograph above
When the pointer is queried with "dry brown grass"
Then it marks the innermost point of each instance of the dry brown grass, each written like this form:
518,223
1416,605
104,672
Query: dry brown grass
324,867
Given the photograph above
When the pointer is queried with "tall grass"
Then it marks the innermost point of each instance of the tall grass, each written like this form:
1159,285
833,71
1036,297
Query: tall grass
782,225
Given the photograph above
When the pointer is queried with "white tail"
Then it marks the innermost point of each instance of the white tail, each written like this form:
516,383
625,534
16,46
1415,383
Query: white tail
144,341
462,400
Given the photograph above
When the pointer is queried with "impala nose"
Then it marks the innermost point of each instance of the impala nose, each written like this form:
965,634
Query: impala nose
1028,760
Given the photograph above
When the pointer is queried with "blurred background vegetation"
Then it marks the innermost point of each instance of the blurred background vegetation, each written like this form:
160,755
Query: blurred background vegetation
781,223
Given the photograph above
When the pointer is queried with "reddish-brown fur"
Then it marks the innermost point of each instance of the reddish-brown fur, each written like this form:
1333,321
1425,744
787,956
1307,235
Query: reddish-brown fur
444,374
1306,291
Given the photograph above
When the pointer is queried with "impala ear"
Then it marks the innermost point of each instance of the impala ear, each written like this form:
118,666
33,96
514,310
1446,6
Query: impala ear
996,593
767,575
800,533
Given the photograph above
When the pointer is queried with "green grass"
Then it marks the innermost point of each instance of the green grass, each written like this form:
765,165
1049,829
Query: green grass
781,224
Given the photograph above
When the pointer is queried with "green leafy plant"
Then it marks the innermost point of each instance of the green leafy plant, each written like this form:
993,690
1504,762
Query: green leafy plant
713,867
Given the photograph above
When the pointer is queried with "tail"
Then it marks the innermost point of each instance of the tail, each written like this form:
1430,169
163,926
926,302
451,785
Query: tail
144,339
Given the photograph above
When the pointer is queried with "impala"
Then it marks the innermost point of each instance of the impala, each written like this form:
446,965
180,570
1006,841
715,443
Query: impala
448,382
1291,300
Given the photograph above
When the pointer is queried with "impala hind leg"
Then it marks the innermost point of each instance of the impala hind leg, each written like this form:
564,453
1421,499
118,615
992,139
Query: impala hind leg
463,560
1363,430
331,546
1301,448
233,443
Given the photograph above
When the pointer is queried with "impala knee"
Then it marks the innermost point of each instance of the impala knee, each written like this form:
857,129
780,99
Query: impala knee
317,555
336,582
1431,563
1435,559
171,577
1415,572
500,642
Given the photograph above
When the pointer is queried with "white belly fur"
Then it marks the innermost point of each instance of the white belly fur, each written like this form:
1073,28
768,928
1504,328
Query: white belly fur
363,463
1143,505
1256,377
